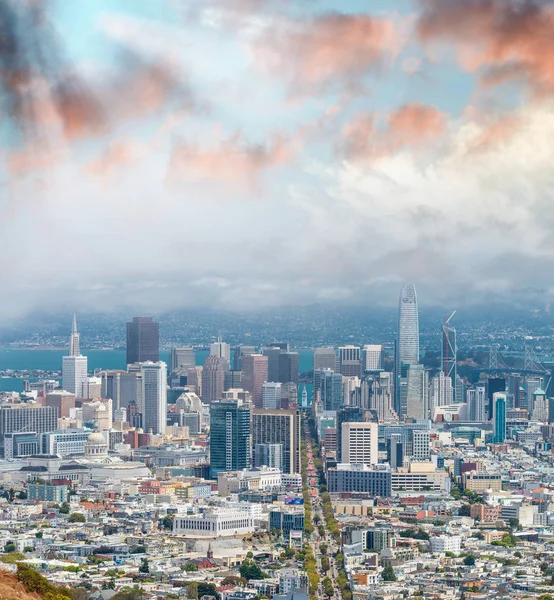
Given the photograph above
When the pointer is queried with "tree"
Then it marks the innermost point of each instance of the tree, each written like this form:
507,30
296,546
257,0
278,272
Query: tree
250,570
388,574
192,591
9,547
469,560
129,593
190,567
77,518
167,522
207,589
328,588
64,508
235,581
144,566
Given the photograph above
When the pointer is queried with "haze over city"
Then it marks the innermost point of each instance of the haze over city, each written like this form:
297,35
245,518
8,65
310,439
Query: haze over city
238,154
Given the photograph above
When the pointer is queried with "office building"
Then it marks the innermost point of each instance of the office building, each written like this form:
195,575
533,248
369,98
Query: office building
476,400
272,353
223,351
329,385
408,327
64,442
182,358
98,413
239,352
540,406
62,401
74,342
395,451
441,392
359,443
347,414
230,442
19,418
288,367
143,340
531,385
254,373
74,375
374,481
92,388
421,445
350,361
271,395
213,378
268,455
494,384
499,417
417,393
154,396
287,519
232,380
325,358
279,427
215,522
372,357
449,351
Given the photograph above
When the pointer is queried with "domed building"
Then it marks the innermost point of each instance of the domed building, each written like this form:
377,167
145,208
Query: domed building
96,447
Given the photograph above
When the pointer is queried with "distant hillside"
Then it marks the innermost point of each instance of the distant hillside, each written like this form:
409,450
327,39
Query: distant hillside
12,589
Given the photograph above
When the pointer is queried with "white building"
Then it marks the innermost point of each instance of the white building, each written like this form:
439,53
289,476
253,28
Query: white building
417,406
216,522
441,392
74,375
360,443
99,411
271,395
373,357
446,543
258,478
292,579
154,396
93,388
222,350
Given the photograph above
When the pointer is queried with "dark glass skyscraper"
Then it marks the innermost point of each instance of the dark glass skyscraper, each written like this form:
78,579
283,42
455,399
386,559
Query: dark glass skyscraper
143,340
229,436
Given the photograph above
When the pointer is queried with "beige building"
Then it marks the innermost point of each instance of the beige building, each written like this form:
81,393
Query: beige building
360,443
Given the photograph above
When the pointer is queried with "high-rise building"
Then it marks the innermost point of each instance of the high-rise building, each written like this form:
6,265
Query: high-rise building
74,374
181,358
417,398
477,399
421,445
279,427
359,444
254,373
395,451
74,343
350,361
268,455
325,358
143,340
449,351
92,388
499,402
408,327
441,392
347,414
62,401
372,357
273,354
540,406
532,385
230,442
239,352
222,350
271,395
329,385
16,418
213,378
154,396
494,384
288,367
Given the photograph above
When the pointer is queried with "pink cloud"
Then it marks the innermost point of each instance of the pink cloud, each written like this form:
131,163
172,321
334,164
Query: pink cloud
510,40
315,54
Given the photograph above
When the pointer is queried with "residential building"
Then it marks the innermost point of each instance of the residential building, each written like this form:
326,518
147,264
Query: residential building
279,427
360,443
154,396
230,440
446,543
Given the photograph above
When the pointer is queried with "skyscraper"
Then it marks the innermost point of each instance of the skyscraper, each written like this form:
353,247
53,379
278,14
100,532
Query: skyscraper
325,358
181,357
408,326
213,378
154,396
499,402
272,353
350,361
239,352
143,340
417,406
230,442
359,443
74,374
372,357
222,350
271,395
254,373
347,414
279,427
441,392
449,351
329,385
476,400
74,345
288,367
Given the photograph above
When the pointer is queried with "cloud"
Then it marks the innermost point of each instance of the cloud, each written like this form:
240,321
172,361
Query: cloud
320,53
412,124
507,40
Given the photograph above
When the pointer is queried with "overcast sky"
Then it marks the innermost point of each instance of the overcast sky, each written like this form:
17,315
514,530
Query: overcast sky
165,154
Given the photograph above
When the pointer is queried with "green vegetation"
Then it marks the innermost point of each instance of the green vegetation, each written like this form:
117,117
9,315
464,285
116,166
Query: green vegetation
190,567
328,588
416,534
469,560
35,583
64,508
129,593
388,574
508,541
251,570
12,558
144,566
77,518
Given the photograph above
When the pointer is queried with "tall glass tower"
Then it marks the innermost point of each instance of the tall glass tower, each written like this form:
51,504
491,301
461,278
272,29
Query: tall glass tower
407,344
499,417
